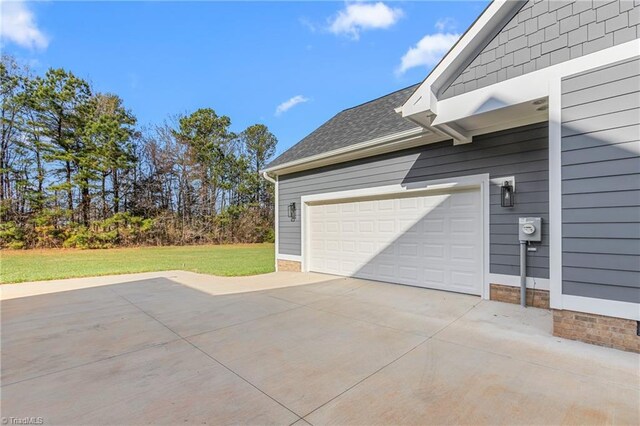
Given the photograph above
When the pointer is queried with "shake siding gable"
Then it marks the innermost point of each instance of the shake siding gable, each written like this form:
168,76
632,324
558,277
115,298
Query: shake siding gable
545,33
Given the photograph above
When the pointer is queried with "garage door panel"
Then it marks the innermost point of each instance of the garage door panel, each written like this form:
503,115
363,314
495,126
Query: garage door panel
408,249
349,247
387,226
463,225
463,252
386,205
429,241
332,209
435,277
434,251
463,280
434,226
366,226
465,199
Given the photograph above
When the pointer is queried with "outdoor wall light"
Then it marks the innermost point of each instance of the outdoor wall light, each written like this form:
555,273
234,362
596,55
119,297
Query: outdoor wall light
506,194
291,212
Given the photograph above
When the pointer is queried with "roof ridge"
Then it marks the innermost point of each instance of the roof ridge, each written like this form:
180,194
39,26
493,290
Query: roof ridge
379,97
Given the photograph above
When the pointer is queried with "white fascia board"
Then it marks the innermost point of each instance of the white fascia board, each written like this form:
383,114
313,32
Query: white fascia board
349,152
423,100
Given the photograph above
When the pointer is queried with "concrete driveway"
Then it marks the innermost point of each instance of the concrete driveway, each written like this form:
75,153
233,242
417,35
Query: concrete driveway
178,347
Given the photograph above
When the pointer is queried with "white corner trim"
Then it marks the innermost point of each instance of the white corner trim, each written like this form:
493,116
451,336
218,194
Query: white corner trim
610,308
485,194
514,281
462,182
555,193
291,257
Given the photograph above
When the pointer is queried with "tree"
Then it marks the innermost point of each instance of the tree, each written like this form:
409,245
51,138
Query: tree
58,100
12,86
75,171
109,128
260,145
209,140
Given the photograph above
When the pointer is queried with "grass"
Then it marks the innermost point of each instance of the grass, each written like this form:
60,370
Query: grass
226,260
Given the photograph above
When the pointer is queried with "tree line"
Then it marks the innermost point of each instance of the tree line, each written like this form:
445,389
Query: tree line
76,171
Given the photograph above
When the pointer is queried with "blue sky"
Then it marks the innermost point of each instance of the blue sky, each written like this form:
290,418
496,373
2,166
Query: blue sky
289,65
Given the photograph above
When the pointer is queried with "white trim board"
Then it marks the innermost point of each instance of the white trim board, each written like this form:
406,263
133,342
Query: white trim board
418,187
555,194
514,281
610,308
480,181
290,257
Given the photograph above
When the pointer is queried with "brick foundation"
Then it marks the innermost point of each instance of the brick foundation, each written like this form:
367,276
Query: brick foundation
599,330
509,294
289,266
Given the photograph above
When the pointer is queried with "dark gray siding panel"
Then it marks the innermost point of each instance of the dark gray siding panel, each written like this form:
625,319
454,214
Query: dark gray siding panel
599,291
521,152
545,33
601,182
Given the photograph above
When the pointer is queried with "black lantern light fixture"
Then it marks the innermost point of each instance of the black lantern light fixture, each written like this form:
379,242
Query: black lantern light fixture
506,194
291,212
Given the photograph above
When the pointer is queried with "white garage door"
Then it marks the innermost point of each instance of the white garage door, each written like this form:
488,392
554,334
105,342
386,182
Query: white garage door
430,241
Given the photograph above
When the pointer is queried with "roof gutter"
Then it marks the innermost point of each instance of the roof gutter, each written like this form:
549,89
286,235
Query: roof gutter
352,149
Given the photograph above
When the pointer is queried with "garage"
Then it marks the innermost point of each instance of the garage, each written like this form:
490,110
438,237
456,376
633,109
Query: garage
431,239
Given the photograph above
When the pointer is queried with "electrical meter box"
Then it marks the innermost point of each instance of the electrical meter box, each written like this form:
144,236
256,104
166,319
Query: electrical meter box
530,229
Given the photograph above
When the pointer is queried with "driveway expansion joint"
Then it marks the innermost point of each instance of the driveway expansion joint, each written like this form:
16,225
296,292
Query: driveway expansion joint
212,358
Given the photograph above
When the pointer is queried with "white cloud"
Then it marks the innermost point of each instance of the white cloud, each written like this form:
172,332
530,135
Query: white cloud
356,17
308,24
290,103
18,25
445,24
427,52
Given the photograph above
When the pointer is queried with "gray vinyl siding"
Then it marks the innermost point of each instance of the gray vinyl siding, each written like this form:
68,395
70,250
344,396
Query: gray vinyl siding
601,182
545,33
520,152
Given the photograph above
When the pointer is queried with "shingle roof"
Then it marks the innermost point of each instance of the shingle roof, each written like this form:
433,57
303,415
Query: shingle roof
361,123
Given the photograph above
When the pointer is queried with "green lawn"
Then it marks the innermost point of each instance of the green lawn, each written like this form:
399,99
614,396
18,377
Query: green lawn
226,260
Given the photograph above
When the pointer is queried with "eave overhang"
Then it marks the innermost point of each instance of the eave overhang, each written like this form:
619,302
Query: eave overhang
394,142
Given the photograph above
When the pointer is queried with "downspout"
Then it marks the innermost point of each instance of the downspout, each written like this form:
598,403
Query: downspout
266,176
523,274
